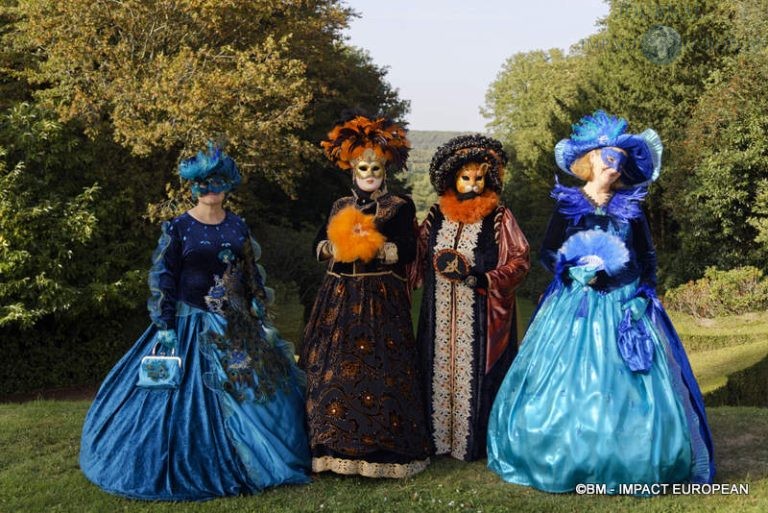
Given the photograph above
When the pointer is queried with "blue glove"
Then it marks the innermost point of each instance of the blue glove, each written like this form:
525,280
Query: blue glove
167,338
636,307
583,273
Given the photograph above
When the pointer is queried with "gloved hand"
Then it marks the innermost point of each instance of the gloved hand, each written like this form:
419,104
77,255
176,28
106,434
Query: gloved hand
167,338
476,280
583,274
592,260
636,306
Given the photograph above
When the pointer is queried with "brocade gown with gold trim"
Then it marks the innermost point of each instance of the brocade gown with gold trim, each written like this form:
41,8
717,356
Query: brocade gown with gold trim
365,405
468,337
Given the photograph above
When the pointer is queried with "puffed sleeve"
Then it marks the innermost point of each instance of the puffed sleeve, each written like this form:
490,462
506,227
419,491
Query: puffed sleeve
553,240
417,268
163,278
645,253
514,258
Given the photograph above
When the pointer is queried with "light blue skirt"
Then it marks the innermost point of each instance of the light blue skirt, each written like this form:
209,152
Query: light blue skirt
570,410
196,442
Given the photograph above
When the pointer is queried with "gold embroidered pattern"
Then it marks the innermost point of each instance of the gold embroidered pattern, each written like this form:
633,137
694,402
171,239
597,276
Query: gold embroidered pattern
367,469
454,345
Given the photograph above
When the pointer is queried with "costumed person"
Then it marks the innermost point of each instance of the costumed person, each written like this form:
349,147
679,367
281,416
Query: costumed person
209,401
472,256
601,391
365,406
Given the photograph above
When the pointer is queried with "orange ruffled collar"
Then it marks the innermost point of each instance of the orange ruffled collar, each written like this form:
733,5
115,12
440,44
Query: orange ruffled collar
468,211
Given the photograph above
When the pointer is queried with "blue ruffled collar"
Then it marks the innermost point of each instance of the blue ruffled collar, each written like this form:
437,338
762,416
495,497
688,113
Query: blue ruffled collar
573,203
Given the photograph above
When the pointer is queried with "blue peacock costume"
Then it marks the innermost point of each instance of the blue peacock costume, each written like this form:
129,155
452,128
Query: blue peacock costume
235,424
601,390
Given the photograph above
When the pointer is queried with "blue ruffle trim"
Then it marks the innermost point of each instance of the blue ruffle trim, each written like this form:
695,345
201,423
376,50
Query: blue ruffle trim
156,295
625,204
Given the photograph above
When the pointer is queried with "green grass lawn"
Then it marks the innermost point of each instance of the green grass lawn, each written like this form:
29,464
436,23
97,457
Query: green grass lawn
730,331
39,443
720,347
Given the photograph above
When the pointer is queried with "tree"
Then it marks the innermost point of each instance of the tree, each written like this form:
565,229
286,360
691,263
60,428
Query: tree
169,75
538,94
725,199
530,107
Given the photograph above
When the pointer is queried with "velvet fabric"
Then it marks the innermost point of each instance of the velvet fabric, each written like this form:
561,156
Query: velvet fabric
192,443
235,424
365,405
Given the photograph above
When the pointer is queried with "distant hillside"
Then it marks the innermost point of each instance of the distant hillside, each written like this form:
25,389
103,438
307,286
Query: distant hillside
424,144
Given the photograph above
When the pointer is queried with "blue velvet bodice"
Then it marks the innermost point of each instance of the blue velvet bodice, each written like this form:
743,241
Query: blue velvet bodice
621,216
190,256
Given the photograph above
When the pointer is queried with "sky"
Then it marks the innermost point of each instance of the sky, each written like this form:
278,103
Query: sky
443,54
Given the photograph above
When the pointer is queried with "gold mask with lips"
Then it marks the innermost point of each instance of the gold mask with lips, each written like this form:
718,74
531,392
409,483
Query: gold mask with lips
368,164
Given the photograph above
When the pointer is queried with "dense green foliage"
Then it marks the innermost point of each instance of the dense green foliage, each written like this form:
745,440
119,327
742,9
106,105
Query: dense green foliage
740,290
707,102
100,100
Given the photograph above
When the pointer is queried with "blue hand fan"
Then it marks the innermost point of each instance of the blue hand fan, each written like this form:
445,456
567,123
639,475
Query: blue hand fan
596,248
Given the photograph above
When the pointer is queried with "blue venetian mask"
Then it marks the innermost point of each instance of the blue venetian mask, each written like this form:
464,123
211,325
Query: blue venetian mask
212,184
613,158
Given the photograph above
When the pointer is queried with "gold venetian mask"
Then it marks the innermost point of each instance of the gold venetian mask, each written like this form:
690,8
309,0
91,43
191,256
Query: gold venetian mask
471,178
369,170
368,165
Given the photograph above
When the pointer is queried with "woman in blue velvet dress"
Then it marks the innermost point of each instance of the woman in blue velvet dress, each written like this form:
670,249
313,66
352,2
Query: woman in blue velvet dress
235,424
601,390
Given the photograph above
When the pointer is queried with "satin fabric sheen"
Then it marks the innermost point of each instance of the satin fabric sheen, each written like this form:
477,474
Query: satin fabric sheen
193,443
570,411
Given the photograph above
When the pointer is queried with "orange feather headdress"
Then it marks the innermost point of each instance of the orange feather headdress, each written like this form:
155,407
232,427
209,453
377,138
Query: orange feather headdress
350,138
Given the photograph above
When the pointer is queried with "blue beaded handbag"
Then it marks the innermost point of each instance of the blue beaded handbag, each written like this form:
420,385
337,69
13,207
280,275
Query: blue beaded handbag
160,371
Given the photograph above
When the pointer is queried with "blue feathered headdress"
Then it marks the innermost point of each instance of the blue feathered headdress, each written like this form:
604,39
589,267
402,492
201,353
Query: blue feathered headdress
208,164
609,248
601,130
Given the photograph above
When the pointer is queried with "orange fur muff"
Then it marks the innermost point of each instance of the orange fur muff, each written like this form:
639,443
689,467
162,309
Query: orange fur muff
348,140
354,236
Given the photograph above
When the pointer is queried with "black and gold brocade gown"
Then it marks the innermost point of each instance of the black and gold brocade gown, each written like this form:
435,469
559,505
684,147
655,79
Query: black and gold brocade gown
365,407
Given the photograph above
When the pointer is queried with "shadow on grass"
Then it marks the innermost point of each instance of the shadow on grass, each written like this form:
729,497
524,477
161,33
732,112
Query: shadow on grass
741,453
747,387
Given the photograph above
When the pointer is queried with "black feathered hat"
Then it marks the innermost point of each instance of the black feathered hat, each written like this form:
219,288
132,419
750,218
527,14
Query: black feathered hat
461,150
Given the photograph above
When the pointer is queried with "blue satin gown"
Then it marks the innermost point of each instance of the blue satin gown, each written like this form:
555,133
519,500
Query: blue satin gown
232,427
571,410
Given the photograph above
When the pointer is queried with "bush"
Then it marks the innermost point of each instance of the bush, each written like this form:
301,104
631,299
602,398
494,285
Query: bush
733,292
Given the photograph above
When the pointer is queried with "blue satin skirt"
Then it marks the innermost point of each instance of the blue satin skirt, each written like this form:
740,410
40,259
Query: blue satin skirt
571,411
196,442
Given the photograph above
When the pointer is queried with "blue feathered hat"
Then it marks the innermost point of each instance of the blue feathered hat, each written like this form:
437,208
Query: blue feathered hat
208,164
601,130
